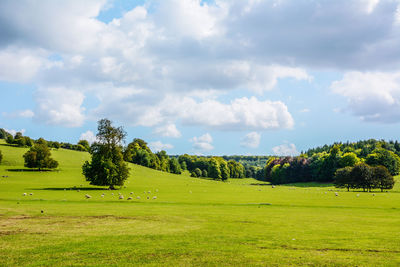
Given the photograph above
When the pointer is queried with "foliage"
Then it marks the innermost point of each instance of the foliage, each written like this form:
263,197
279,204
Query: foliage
385,158
107,167
365,177
39,156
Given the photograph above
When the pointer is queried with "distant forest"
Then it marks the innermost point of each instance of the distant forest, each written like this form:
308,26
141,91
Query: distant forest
318,164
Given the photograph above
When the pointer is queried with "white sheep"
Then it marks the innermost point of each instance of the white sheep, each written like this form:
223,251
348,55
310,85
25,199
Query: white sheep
155,197
149,192
30,194
88,196
358,195
129,198
24,194
121,197
138,197
336,194
273,186
131,193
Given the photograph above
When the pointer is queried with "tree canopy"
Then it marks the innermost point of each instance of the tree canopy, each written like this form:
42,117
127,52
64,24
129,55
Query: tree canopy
107,166
39,156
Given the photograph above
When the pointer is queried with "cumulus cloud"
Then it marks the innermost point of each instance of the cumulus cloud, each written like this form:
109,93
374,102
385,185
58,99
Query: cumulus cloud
88,136
251,140
168,130
146,67
158,146
59,106
285,150
202,143
371,96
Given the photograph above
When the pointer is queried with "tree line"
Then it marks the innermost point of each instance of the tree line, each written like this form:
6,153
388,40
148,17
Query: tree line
25,141
323,166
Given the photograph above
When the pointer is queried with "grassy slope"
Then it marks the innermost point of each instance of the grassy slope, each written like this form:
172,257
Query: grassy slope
192,221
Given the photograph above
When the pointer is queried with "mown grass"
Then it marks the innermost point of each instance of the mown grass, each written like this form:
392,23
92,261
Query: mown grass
193,222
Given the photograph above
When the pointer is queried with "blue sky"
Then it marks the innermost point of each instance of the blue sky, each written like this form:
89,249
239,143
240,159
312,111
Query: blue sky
255,77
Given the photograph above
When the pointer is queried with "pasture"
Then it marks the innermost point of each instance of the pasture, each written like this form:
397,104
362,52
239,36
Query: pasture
191,222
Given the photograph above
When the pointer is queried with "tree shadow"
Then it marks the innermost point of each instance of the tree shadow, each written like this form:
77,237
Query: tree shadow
31,170
262,184
308,184
70,188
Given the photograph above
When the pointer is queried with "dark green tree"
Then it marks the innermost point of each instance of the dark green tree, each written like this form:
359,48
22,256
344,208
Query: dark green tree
343,178
107,167
385,158
361,175
204,173
384,180
214,170
174,166
39,156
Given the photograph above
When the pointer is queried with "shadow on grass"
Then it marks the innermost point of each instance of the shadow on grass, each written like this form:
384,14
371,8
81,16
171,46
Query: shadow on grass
70,188
309,184
262,184
31,170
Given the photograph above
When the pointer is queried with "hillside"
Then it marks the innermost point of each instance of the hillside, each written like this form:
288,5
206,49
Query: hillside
191,222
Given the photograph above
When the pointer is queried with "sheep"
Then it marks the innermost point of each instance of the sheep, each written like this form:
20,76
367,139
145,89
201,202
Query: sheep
30,194
149,192
24,194
102,195
273,186
155,197
79,190
112,194
373,194
336,194
358,195
148,197
121,197
156,190
88,196
131,193
138,197
129,198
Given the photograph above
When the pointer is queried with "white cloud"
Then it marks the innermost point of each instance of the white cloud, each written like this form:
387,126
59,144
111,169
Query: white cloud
168,130
19,114
158,146
13,132
371,96
202,143
88,136
285,150
251,140
59,106
305,110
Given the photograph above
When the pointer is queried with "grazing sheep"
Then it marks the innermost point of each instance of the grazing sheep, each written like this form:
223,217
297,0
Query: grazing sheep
358,195
155,197
88,196
121,197
148,197
102,195
138,197
336,194
131,193
325,192
79,190
30,194
24,194
129,198
373,194
273,186
149,192
112,194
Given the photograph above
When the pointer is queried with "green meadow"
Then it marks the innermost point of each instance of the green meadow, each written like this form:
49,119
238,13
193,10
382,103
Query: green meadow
184,221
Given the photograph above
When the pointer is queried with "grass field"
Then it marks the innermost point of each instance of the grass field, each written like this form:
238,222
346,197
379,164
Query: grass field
192,222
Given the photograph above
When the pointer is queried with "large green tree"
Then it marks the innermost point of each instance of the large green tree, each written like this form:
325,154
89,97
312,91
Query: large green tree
39,156
107,167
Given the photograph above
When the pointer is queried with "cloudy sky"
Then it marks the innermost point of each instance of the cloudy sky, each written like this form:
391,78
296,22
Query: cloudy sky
206,77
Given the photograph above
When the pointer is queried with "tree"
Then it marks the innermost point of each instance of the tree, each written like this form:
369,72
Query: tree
39,156
213,169
174,166
361,175
384,180
385,158
107,167
343,178
85,144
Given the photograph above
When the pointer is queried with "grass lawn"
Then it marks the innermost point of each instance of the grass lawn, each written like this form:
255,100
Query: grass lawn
192,222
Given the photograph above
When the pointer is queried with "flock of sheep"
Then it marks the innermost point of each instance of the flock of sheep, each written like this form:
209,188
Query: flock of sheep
121,196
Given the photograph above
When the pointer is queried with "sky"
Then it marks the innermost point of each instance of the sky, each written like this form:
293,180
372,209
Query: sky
216,77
